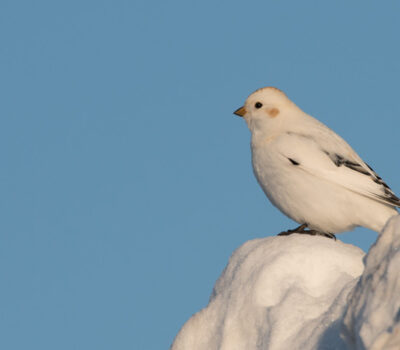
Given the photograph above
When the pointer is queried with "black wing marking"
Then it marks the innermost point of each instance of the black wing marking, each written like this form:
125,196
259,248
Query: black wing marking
340,160
387,195
293,161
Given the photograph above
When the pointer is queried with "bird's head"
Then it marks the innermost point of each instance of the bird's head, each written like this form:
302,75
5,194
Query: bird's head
266,110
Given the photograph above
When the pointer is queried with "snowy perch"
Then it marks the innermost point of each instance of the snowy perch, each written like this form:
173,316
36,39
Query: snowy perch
303,292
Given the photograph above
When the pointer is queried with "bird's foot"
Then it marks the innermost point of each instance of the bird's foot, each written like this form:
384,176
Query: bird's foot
302,230
318,233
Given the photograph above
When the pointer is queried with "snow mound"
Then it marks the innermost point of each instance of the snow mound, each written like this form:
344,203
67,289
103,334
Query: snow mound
274,292
303,292
372,320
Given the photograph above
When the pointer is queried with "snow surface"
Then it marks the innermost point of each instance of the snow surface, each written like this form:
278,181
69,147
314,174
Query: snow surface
372,320
303,292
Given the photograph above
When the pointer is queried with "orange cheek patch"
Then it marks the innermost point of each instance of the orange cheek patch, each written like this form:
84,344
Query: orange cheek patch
273,112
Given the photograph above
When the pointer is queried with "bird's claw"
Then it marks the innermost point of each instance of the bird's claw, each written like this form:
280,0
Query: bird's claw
302,230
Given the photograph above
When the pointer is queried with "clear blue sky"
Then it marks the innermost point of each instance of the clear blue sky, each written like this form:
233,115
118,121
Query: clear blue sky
126,180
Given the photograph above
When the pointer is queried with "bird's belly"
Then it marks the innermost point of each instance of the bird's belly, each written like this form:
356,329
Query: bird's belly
303,197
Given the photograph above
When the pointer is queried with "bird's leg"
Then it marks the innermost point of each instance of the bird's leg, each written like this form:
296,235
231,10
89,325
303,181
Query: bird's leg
302,230
318,233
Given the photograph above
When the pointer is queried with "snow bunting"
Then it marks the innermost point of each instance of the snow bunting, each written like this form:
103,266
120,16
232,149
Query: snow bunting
309,172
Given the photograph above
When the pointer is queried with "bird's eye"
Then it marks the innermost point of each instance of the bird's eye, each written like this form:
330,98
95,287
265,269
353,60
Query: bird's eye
258,105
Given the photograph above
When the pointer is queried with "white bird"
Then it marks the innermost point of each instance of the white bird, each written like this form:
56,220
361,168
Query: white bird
309,172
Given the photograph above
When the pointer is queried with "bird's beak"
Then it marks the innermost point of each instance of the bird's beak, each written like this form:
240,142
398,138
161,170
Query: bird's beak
240,111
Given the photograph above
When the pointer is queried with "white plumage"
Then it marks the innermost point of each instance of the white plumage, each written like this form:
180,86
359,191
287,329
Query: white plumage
309,172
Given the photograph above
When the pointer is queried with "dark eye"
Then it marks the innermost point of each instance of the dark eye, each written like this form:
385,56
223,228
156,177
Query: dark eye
258,105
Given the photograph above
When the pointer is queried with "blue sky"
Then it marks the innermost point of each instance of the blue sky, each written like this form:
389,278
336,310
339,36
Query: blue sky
126,180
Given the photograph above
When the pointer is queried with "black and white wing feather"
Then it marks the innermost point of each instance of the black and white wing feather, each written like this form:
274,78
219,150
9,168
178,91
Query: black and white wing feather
386,194
328,156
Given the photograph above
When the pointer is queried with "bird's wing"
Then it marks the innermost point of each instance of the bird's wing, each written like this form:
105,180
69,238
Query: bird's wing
331,158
